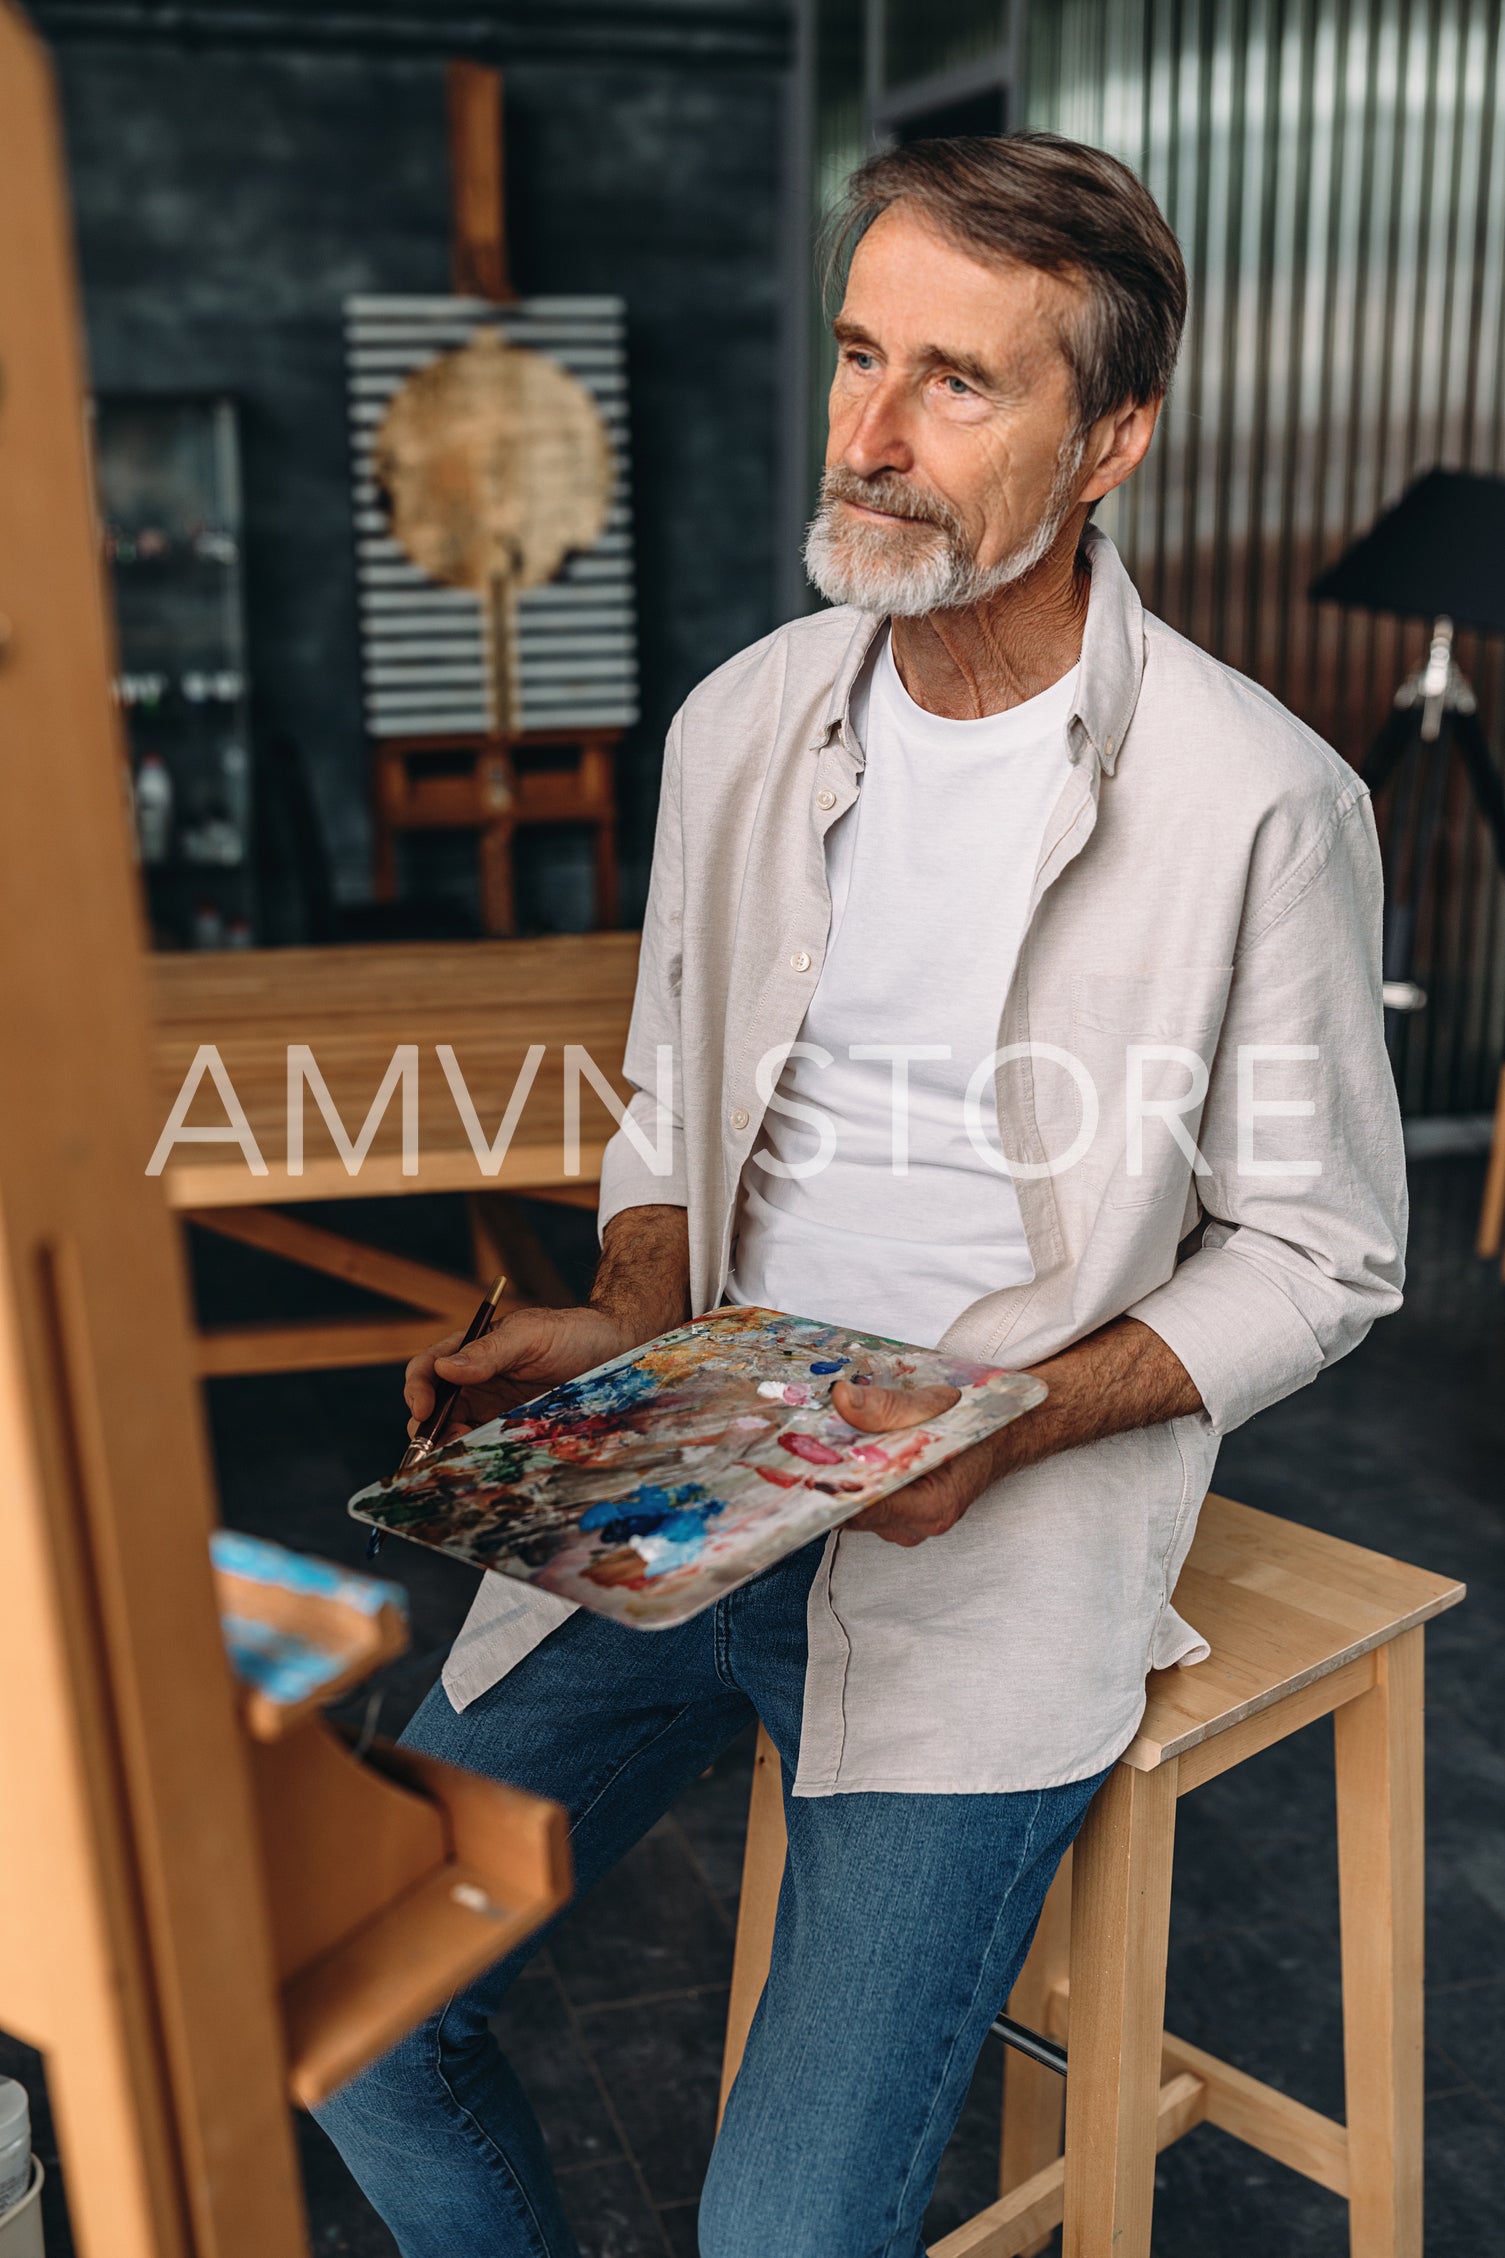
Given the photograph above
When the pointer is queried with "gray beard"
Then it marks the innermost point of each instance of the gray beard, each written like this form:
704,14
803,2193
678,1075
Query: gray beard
929,570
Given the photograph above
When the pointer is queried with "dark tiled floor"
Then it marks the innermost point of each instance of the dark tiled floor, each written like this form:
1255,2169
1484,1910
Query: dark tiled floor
616,2028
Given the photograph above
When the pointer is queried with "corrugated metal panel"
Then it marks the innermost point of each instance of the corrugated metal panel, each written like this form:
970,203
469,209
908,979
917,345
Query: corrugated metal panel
424,656
1336,174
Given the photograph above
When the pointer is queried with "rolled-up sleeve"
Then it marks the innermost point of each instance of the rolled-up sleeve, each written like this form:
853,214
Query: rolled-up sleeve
1306,1192
653,1063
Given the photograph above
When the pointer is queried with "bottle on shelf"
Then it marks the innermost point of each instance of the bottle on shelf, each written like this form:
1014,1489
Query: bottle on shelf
15,2144
206,926
153,808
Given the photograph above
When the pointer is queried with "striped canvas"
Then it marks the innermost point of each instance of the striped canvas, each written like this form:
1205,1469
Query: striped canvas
423,652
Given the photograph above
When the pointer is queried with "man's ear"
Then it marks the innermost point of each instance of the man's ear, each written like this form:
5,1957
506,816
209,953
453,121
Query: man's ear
1116,446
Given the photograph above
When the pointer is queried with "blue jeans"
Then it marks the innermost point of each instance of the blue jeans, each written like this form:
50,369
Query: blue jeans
902,1922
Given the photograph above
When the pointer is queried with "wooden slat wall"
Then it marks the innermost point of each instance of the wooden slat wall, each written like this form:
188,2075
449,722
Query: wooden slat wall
1335,170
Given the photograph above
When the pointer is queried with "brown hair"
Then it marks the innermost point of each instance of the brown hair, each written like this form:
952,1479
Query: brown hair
1036,200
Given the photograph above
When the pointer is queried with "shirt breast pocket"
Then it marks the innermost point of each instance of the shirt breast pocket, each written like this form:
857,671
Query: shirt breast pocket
1147,1040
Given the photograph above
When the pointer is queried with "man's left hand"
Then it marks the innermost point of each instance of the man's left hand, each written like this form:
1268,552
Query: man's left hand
1122,1377
932,1503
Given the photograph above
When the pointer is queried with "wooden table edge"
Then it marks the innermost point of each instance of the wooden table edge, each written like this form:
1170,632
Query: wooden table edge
190,1184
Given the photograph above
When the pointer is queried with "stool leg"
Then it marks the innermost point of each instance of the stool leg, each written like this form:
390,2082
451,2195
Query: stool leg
1380,1850
762,1876
1034,2098
1120,1925
1492,1207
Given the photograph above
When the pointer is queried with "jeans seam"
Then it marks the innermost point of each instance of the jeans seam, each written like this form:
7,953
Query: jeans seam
491,2151
721,1641
628,1760
1021,1866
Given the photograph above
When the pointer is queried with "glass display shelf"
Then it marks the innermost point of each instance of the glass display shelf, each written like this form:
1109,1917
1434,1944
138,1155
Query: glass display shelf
168,471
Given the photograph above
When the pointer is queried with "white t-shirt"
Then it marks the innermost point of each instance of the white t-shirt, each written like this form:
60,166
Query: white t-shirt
930,874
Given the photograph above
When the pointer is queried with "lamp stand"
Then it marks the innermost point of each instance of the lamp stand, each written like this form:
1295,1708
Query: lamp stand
1435,711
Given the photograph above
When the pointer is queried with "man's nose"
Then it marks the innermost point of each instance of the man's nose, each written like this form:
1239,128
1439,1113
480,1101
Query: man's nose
879,440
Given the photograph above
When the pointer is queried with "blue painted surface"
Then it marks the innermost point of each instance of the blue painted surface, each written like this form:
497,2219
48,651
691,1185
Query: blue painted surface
285,1668
263,1563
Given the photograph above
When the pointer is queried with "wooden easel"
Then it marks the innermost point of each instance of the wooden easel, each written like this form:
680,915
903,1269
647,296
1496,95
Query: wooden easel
203,1905
495,782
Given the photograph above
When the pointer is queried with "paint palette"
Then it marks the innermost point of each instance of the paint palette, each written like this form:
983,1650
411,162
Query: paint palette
650,1486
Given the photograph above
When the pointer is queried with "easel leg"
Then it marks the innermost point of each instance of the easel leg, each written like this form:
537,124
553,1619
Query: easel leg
384,863
1120,1925
762,1875
597,791
498,904
606,876
1034,2098
1378,1740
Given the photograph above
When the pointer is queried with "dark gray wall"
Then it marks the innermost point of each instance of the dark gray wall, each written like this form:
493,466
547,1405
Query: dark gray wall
235,176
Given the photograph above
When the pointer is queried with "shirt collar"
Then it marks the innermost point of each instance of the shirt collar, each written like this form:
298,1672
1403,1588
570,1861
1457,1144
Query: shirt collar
1112,664
1108,678
866,628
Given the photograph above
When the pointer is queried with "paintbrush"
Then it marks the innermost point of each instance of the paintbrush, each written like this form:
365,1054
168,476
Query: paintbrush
430,1434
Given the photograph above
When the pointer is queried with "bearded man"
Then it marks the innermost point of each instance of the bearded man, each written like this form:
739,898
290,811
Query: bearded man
1019,967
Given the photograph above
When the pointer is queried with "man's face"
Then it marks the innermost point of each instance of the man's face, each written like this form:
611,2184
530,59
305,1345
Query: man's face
953,452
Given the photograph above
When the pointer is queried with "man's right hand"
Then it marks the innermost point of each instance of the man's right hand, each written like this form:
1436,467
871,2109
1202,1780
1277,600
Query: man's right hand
642,1288
525,1352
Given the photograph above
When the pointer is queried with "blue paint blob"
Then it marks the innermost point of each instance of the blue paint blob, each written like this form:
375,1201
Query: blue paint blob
830,1364
651,1510
666,1523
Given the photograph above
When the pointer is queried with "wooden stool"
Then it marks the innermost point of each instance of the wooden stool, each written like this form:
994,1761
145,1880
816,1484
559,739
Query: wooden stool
1300,1625
491,785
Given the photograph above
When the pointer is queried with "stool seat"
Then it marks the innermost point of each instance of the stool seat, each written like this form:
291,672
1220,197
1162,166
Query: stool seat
1283,1608
1301,1626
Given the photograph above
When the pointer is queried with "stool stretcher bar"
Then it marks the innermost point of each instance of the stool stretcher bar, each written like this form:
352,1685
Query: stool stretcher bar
1030,2043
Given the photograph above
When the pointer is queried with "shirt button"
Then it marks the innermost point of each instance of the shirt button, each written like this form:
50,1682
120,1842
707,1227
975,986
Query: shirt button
825,799
801,960
740,1117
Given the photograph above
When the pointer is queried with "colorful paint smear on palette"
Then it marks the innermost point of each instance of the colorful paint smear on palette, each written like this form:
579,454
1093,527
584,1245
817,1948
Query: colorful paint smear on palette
649,1487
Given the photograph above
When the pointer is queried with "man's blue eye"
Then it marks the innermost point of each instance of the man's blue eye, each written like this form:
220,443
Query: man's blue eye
958,387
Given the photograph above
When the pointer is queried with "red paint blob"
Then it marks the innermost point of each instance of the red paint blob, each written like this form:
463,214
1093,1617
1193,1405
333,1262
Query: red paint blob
809,1447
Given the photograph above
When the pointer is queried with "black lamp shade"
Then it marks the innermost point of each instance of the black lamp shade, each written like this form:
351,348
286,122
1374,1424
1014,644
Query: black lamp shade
1441,549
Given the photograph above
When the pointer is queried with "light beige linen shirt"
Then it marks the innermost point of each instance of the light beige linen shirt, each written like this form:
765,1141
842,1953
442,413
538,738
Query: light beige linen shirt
1208,883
